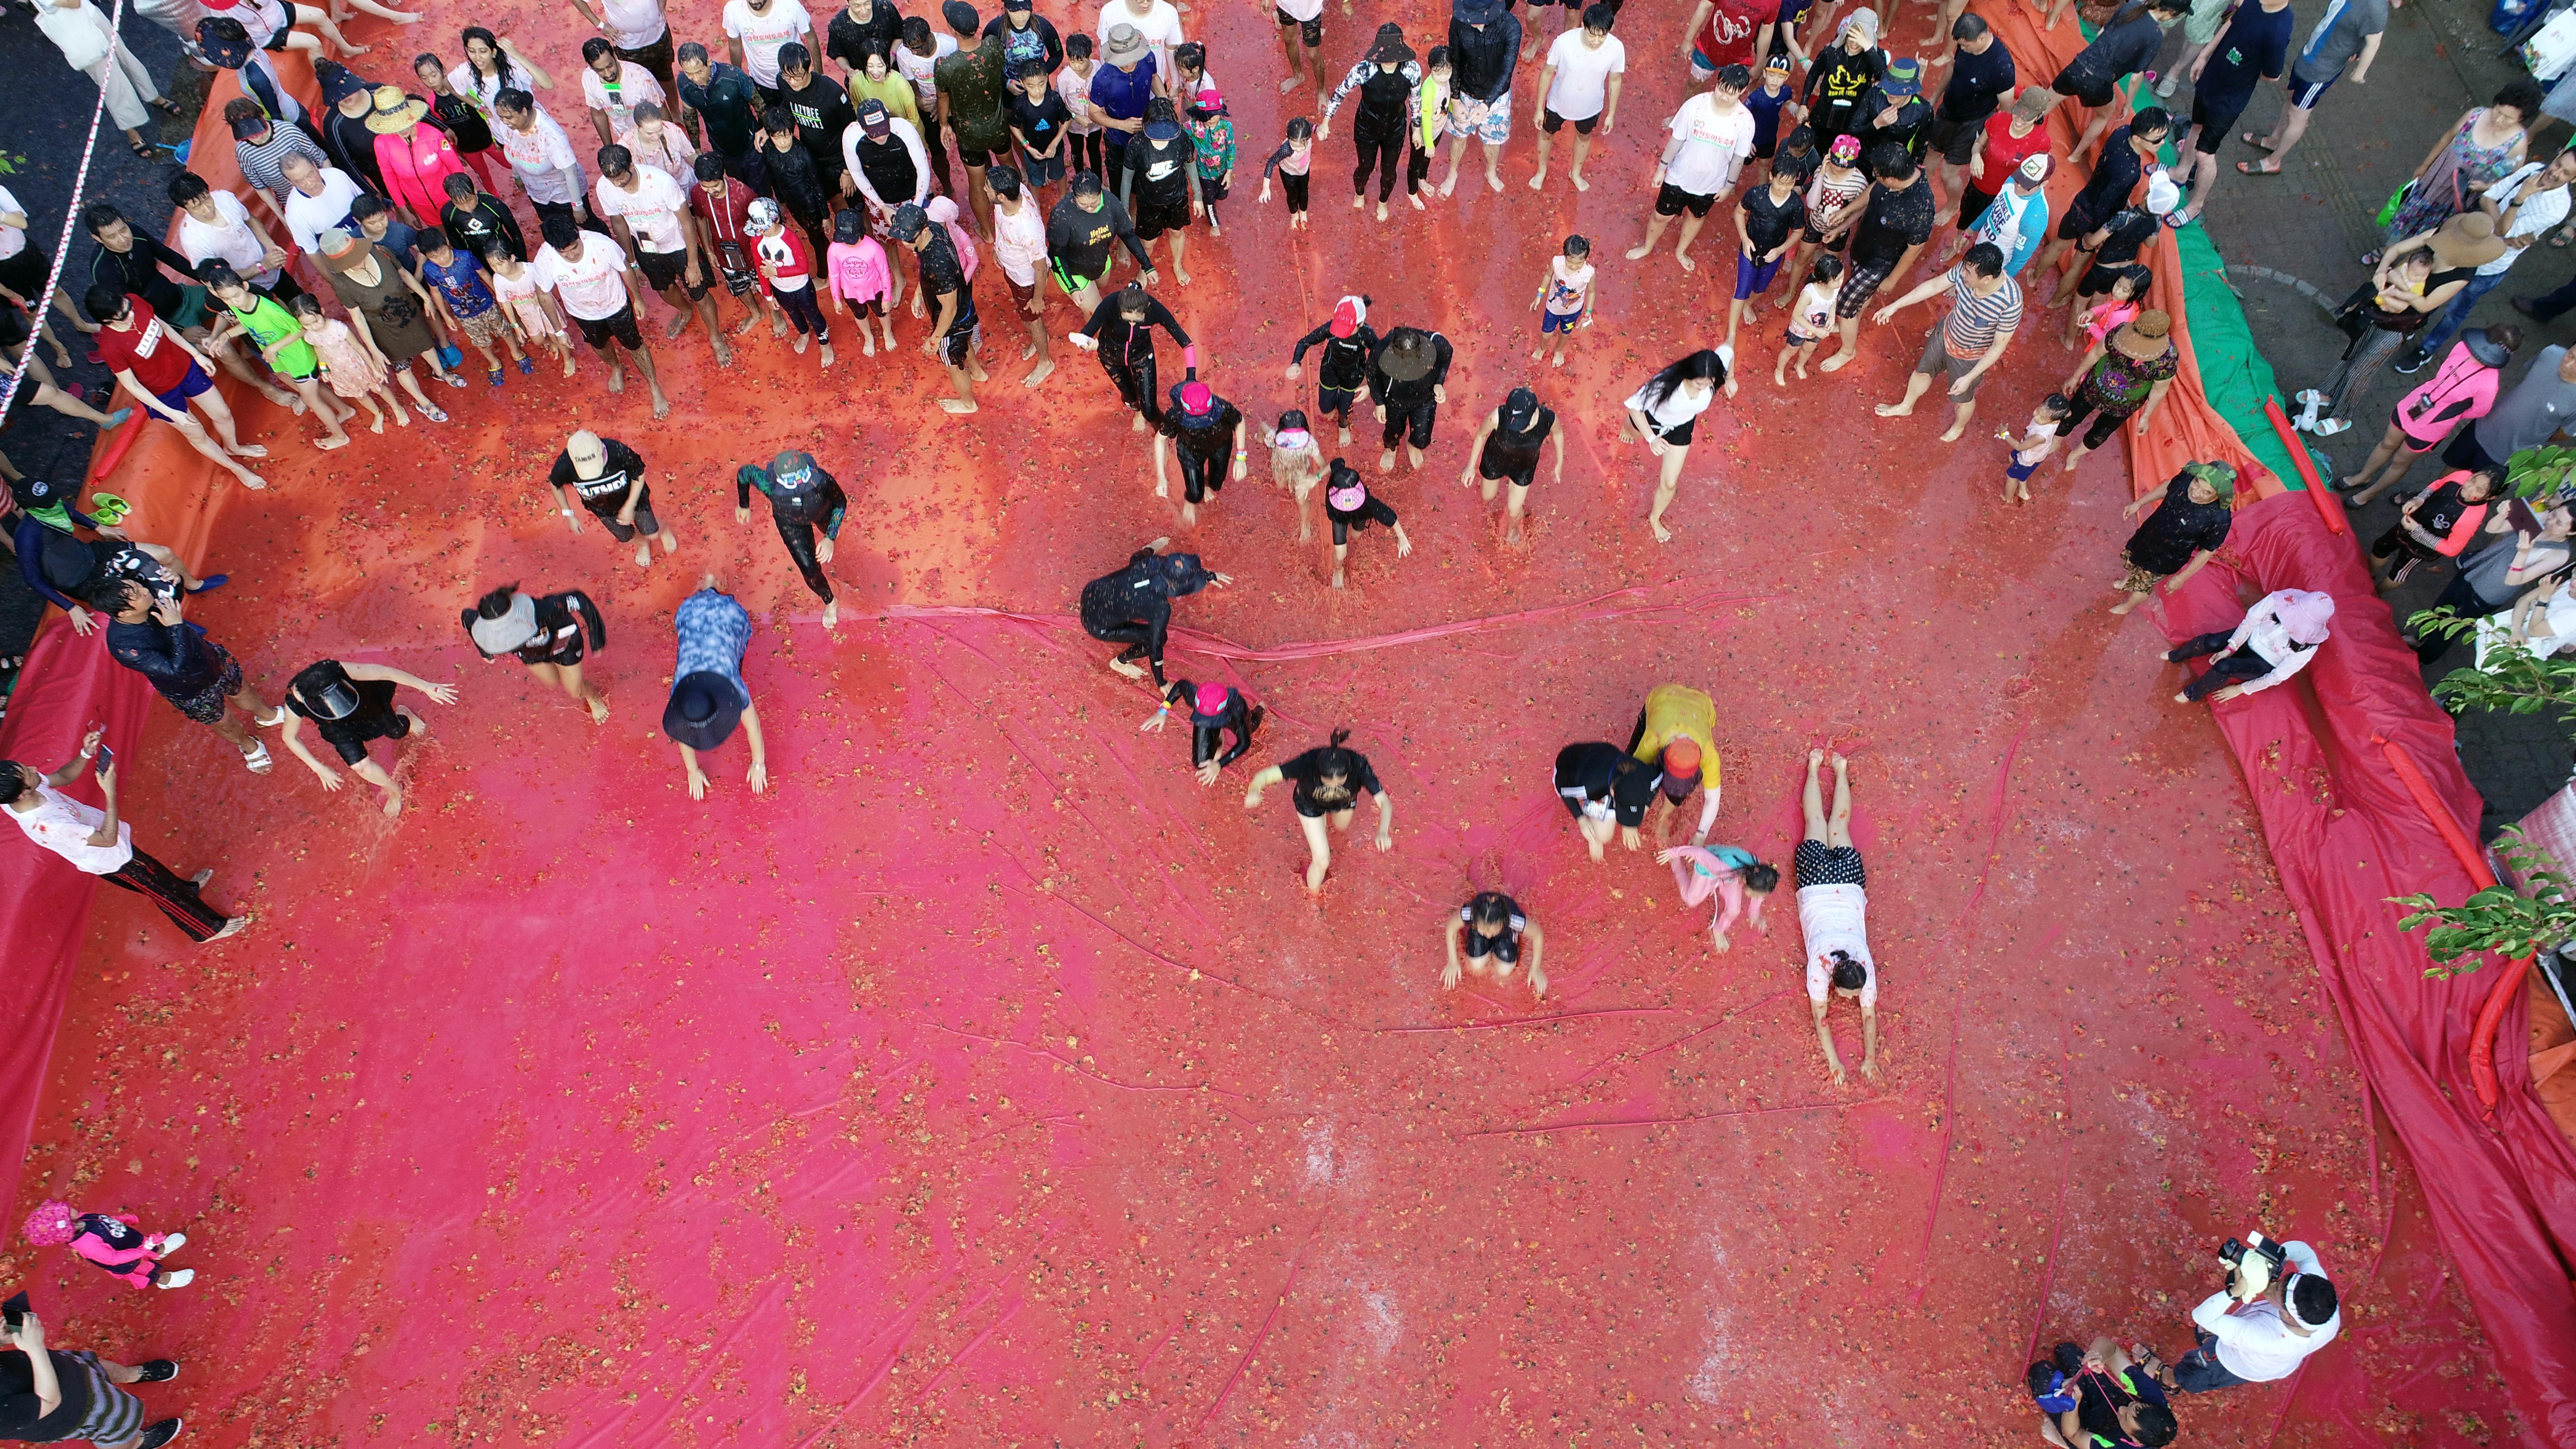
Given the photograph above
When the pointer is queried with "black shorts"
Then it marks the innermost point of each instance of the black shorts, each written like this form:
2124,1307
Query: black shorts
2099,277
1678,436
1672,200
2088,90
1490,467
1336,401
1505,948
1413,424
664,270
1550,122
1318,809
1956,141
285,33
978,157
25,273
1309,31
1817,863
959,344
1861,283
2464,452
645,523
1815,238
2211,123
374,719
621,327
1153,218
2077,224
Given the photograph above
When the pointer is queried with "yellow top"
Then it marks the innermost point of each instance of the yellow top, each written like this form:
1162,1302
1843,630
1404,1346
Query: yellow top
1679,712
894,90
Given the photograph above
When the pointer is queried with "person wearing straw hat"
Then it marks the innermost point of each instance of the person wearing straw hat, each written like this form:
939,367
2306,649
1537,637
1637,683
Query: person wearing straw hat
2277,638
2416,279
708,698
2181,536
2125,374
606,477
415,160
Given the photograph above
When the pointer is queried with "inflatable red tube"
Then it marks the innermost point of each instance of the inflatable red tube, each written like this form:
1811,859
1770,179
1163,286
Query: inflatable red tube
2329,507
2482,1072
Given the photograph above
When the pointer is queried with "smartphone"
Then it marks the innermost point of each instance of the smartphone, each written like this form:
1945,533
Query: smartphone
106,757
15,1310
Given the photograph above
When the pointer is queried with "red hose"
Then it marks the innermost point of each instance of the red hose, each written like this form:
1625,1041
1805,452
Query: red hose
2329,507
2482,1035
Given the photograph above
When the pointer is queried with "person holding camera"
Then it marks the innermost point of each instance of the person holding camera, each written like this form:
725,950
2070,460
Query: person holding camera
47,1394
2276,1309
95,841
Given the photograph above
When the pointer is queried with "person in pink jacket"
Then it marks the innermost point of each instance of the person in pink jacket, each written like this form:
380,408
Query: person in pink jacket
112,1241
2461,391
862,282
416,159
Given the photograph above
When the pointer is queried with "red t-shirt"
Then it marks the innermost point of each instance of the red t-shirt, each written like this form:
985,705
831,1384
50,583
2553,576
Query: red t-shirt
2005,152
145,350
1728,37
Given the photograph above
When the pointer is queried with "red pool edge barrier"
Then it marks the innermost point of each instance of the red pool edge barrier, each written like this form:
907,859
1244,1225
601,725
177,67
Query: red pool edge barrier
2482,1073
2329,507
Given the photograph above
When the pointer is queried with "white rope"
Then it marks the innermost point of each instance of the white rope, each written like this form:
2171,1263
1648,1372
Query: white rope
39,305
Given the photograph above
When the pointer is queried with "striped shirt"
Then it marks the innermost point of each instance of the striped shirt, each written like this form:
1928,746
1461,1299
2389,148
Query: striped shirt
1975,320
260,160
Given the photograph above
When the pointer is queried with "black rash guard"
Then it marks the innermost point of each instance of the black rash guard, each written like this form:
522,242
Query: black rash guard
1234,714
1344,365
1122,343
1134,605
1407,395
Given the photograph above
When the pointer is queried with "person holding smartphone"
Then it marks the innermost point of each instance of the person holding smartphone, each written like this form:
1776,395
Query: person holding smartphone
95,840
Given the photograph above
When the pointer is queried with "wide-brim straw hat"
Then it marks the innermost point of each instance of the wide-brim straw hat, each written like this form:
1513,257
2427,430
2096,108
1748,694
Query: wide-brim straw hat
395,112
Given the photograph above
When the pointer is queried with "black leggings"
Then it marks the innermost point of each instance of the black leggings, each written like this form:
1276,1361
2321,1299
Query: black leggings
1199,477
805,312
799,538
2103,426
1417,169
934,141
1377,153
1087,153
1136,385
1204,739
1295,186
2236,668
178,899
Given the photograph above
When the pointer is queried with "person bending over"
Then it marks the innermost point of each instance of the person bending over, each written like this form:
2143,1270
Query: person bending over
2105,1402
1215,710
1327,783
545,632
1605,789
1740,881
1833,912
1134,605
1494,927
708,697
2261,1338
349,705
1676,736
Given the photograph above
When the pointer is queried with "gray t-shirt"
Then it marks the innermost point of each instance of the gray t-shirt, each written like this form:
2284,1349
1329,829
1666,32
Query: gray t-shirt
2532,413
2486,569
2340,34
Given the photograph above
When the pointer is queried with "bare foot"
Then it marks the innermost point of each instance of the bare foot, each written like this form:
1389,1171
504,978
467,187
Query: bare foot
832,614
678,324
828,359
644,554
393,803
617,379
1416,198
1182,275
1386,461
803,340
1494,179
867,343
247,450
1359,201
1579,183
724,354
1039,373
1637,253
1687,264
378,425
1896,410
1128,668
955,407
1450,186
1952,436
1662,534
1538,182
326,445
1834,363
746,324
1381,213
661,404
598,708
1138,426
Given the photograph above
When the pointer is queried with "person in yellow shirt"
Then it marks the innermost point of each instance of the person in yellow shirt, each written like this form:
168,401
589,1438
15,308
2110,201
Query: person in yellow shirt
1677,734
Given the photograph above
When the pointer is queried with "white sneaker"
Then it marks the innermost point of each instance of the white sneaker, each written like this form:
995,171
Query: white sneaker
2165,89
173,1242
180,1279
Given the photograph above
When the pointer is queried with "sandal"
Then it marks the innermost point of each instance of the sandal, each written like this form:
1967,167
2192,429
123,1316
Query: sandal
527,367
145,149
433,414
2371,258
496,377
258,758
2264,167
2331,426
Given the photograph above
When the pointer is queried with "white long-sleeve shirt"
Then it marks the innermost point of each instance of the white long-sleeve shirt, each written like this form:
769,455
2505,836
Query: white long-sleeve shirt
2253,1343
903,131
2261,632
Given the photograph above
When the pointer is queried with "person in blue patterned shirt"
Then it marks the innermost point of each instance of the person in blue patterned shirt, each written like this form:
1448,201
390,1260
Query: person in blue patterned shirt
708,697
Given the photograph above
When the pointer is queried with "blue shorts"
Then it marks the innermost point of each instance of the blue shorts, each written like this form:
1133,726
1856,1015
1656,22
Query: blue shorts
1752,278
2020,472
1556,321
2304,92
176,399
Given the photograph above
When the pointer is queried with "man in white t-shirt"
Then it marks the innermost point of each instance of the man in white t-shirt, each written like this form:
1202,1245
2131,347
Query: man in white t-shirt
1580,83
1712,134
613,86
1157,22
649,213
317,199
597,287
214,225
1833,914
639,31
755,29
95,842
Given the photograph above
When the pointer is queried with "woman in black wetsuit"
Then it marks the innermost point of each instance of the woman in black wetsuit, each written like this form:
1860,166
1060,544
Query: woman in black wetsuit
349,705
1327,785
1348,342
1121,330
1134,605
1348,504
1506,446
1385,79
1215,710
1605,788
545,632
1408,380
802,499
1202,428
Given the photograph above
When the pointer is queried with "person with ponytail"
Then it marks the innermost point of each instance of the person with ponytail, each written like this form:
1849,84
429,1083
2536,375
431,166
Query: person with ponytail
1297,464
1326,784
545,633
1348,504
1665,411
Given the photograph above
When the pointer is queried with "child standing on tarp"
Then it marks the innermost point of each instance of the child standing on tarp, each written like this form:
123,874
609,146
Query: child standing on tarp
112,1241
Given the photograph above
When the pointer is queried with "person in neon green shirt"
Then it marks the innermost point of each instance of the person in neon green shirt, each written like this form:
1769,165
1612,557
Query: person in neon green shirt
281,345
1430,114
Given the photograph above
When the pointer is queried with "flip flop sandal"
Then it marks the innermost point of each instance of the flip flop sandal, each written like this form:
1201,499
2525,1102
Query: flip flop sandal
452,379
433,414
2332,426
2309,395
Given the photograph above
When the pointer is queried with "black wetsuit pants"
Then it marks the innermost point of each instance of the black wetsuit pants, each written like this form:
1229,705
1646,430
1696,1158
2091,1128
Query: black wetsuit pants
1378,153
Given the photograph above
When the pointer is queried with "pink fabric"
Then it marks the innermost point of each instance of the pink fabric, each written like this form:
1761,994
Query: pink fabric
1723,881
858,270
944,211
2460,379
2305,613
416,169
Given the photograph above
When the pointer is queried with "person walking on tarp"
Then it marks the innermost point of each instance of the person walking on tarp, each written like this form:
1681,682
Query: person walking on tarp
351,704
803,499
1134,605
199,677
47,1394
545,632
96,841
1326,784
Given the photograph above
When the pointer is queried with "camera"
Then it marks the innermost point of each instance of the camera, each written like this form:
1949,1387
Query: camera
2251,1265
